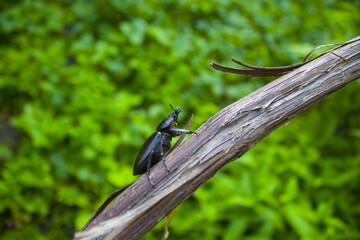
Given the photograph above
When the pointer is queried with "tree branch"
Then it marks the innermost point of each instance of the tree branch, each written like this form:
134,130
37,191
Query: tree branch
223,138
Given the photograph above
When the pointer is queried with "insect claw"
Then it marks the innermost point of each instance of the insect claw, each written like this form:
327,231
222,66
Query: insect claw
152,184
167,168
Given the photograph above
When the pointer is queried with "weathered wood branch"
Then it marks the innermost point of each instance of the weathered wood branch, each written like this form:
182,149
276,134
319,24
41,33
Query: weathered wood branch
223,138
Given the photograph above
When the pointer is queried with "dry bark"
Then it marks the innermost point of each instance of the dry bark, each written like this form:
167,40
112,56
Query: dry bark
223,138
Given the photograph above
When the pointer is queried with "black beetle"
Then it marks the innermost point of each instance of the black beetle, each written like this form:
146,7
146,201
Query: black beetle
158,144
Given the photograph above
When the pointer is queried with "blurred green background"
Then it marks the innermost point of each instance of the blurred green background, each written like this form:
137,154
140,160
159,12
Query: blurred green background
84,83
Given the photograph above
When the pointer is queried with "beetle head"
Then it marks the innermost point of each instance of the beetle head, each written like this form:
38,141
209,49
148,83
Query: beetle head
170,121
175,114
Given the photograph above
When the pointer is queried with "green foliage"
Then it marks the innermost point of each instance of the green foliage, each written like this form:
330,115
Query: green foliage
83,83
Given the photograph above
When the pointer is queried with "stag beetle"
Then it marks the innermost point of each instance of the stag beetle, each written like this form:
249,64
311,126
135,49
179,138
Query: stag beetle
158,144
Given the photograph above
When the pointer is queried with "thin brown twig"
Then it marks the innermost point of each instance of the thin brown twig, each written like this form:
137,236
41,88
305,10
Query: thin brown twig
275,71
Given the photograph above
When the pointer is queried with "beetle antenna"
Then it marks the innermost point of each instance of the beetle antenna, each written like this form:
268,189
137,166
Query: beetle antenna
172,107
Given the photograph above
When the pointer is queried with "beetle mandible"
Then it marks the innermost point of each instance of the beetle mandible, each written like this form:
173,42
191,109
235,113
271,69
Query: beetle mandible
158,144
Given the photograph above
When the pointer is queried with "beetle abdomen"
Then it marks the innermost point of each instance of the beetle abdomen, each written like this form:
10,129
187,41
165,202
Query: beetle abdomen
146,151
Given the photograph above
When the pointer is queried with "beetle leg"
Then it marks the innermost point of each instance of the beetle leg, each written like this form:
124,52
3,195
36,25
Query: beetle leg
148,171
163,157
178,131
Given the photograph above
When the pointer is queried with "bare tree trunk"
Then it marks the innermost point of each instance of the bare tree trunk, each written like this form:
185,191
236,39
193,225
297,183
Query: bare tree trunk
223,138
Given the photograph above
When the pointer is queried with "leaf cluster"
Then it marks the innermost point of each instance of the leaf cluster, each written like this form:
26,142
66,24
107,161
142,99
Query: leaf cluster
84,83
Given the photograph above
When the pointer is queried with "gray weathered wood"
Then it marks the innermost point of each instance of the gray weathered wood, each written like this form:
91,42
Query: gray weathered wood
223,138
